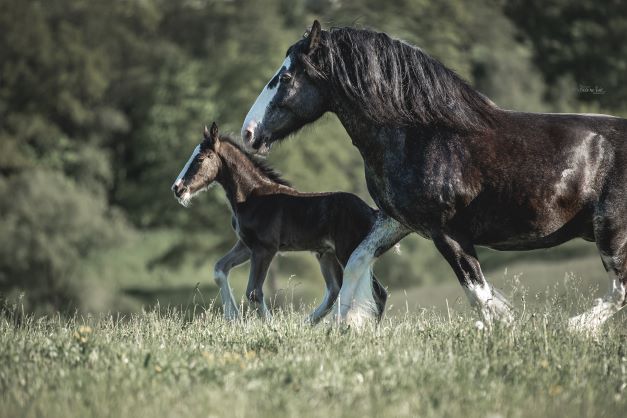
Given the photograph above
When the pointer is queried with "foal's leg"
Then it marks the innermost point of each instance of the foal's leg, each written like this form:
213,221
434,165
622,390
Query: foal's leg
610,231
356,300
461,255
259,264
236,256
380,296
332,272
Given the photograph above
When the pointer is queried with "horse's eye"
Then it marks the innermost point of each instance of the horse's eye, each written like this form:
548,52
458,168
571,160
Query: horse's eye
286,77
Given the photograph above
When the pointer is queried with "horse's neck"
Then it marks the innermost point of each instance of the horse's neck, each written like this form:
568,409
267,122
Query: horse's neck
366,135
241,179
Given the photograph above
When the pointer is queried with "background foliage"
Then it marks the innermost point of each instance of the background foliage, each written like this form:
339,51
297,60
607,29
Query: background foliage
101,103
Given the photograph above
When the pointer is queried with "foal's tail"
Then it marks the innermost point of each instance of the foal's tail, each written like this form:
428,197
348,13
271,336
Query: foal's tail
380,296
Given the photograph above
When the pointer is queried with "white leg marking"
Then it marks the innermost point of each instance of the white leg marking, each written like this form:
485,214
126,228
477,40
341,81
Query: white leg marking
356,300
591,320
226,294
491,304
258,111
357,304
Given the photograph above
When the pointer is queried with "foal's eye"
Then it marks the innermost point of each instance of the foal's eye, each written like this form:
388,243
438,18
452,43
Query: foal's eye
285,77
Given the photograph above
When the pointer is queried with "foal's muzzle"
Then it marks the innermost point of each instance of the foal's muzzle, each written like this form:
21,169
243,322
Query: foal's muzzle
179,188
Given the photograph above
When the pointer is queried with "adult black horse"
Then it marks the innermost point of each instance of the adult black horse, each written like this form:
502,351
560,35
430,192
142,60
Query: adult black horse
443,161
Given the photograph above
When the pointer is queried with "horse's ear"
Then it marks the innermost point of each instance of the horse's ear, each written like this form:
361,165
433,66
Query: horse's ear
314,37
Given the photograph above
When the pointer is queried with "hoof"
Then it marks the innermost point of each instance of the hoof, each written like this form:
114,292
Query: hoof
231,315
498,309
584,324
480,326
356,317
591,321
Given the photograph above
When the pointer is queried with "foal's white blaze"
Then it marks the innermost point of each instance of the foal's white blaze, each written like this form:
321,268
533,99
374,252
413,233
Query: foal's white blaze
186,197
179,179
258,111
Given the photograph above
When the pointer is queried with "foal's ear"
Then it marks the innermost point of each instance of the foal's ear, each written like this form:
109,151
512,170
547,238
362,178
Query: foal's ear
212,136
214,131
314,37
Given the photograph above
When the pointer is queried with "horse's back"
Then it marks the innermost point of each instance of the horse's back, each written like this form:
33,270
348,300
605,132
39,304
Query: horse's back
568,126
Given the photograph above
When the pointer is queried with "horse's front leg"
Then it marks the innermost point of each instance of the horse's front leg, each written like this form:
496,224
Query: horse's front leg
461,255
236,256
356,303
259,264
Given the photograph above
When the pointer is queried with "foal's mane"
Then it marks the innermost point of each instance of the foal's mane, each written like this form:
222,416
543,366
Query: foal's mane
260,164
395,83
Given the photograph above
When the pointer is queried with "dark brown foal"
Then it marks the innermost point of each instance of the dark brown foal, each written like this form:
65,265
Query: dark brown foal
270,216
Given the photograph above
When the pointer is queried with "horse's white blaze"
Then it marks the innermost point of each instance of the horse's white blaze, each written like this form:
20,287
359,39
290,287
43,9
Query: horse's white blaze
179,179
258,111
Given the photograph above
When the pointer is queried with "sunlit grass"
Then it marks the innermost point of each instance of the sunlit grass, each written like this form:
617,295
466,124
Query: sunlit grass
421,364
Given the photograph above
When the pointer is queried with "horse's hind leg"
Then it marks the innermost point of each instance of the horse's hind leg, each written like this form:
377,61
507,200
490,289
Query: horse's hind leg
610,231
236,256
332,272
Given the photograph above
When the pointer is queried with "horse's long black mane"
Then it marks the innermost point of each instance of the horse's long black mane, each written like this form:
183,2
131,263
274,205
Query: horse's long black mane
260,164
395,83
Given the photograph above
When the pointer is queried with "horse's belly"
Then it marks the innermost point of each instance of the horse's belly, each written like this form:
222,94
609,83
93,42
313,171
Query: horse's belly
527,227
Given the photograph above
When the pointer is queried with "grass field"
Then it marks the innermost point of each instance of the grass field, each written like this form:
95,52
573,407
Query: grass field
176,356
161,364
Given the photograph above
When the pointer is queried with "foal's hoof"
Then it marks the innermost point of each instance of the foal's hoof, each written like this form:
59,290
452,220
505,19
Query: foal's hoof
232,316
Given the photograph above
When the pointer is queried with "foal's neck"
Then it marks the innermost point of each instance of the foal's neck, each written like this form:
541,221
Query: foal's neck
241,178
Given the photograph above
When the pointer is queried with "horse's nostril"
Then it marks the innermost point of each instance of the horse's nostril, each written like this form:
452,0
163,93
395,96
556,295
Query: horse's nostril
256,144
248,135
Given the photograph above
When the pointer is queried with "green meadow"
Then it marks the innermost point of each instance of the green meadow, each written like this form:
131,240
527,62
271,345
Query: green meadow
161,363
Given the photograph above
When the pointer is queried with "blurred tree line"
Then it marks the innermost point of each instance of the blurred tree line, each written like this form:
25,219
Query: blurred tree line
102,102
